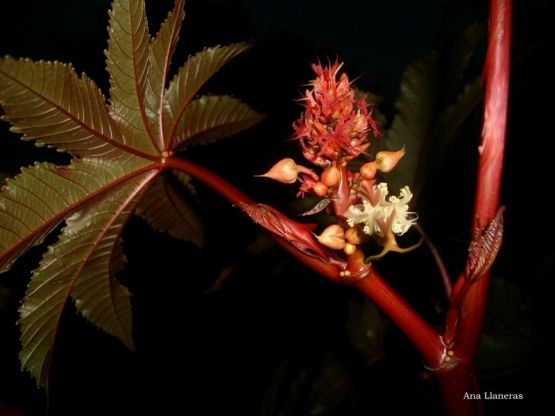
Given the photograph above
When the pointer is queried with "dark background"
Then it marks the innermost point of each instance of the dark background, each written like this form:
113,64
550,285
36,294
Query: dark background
217,352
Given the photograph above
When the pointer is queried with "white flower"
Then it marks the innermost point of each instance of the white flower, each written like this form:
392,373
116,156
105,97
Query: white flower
369,214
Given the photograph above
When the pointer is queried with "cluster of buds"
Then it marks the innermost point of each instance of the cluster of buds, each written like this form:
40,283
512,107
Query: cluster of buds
334,129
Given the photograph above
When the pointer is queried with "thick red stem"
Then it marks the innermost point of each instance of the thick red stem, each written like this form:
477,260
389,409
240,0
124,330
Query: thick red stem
466,315
237,198
426,340
486,206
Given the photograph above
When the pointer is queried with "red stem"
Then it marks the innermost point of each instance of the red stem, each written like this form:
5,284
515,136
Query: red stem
486,206
453,368
426,340
466,315
236,197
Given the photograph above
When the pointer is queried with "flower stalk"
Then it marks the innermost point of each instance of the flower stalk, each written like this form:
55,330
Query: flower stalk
334,129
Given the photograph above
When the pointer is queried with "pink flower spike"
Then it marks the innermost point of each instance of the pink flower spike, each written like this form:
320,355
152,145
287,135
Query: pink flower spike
334,125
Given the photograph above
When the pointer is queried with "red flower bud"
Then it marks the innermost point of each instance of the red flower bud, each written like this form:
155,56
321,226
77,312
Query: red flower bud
331,176
349,249
320,189
368,170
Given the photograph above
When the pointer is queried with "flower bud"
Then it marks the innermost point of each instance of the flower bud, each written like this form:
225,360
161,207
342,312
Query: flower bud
368,170
386,161
287,171
331,176
284,171
349,249
332,237
320,189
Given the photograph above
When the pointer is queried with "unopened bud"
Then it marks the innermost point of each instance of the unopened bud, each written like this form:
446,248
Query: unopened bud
332,237
320,189
284,171
287,171
386,161
349,249
331,176
368,170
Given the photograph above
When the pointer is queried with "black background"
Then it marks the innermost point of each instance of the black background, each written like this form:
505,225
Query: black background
215,353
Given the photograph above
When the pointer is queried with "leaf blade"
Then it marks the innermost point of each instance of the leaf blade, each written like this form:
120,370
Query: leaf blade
167,211
97,295
48,102
127,64
161,52
38,199
190,78
411,126
212,117
74,255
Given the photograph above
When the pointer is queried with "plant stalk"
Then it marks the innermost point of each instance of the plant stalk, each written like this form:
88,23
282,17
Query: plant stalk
466,315
426,339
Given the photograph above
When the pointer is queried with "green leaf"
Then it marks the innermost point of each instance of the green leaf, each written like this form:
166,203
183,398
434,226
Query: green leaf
120,155
167,211
127,63
411,126
48,102
452,118
161,52
190,78
459,55
79,263
210,118
430,111
38,199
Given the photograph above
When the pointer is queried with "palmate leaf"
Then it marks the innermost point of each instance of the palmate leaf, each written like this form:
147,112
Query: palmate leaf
190,78
210,118
411,127
127,63
78,264
42,196
120,152
161,51
46,101
165,210
430,110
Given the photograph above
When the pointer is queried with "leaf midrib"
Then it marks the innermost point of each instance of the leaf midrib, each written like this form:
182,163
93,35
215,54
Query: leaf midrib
83,125
77,274
56,218
140,95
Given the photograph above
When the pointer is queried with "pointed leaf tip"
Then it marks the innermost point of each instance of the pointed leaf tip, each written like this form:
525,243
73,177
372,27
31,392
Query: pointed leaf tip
48,102
128,66
213,117
198,69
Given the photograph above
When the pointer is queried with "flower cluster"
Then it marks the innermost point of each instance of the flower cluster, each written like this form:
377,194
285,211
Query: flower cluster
334,124
376,216
334,129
